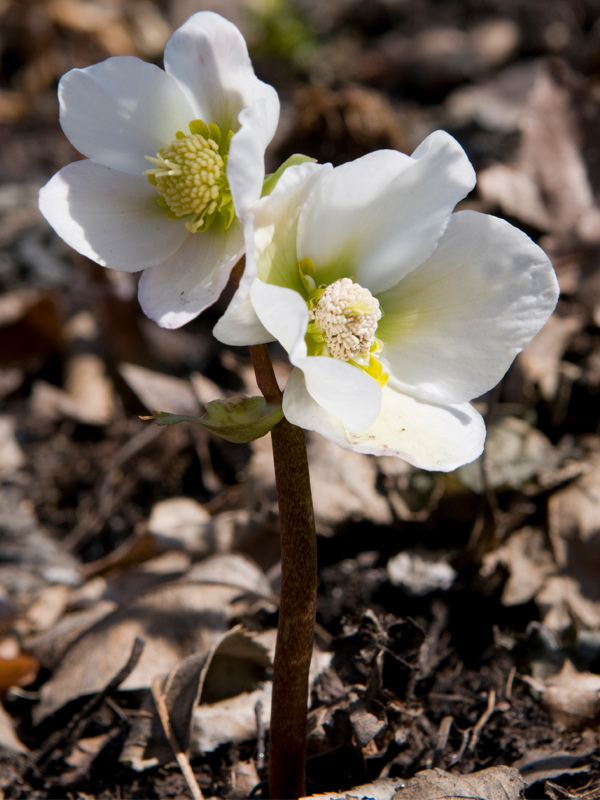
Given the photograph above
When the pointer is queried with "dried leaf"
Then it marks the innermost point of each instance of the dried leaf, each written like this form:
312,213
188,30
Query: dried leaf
173,620
381,789
90,389
515,453
562,604
232,569
17,671
495,783
572,698
540,361
8,738
420,573
529,562
232,720
156,390
88,395
12,457
182,523
549,186
574,520
344,486
544,763
235,665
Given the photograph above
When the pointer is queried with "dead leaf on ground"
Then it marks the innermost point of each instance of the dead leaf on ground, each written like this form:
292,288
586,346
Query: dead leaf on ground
17,671
173,620
419,573
539,363
344,486
159,391
529,561
178,523
550,185
232,569
495,783
562,604
12,457
572,698
235,664
515,454
31,557
8,738
574,523
544,763
413,494
88,396
380,789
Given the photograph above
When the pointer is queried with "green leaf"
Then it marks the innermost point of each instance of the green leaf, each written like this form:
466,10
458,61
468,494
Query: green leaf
271,180
239,419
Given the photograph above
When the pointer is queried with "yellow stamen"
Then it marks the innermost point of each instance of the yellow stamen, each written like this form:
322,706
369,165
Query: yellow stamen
191,178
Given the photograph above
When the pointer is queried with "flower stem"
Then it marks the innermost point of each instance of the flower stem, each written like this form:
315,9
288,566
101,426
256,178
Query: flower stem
295,632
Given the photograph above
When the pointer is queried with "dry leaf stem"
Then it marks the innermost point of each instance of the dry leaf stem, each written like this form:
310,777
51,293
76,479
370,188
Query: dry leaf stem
182,759
295,632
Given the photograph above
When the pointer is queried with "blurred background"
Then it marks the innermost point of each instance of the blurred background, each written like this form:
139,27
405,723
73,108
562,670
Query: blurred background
500,559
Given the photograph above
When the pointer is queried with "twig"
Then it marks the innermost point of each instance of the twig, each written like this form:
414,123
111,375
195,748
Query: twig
260,736
491,705
442,741
457,757
60,738
509,682
182,759
426,662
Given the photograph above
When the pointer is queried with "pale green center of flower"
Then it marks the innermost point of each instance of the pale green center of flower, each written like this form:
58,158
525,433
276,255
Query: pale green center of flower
190,176
343,322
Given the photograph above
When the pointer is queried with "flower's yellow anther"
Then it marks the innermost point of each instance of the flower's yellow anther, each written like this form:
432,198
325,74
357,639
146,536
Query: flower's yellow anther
190,176
345,318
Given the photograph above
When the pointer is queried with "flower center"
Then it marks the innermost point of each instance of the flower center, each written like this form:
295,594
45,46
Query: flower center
191,178
343,322
347,314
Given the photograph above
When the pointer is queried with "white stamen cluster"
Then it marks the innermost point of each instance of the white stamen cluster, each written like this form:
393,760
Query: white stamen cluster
189,175
348,315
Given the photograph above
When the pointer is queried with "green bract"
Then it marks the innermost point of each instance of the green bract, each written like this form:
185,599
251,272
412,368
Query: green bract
239,419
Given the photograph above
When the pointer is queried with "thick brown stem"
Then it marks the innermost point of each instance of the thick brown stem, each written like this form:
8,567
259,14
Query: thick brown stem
295,632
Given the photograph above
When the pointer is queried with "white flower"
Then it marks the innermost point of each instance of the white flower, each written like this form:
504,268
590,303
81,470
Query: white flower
172,155
394,311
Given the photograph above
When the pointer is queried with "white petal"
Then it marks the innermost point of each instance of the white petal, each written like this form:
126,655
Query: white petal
110,216
379,217
432,437
341,389
177,291
284,314
452,327
246,160
338,387
270,236
121,110
209,59
240,325
302,410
